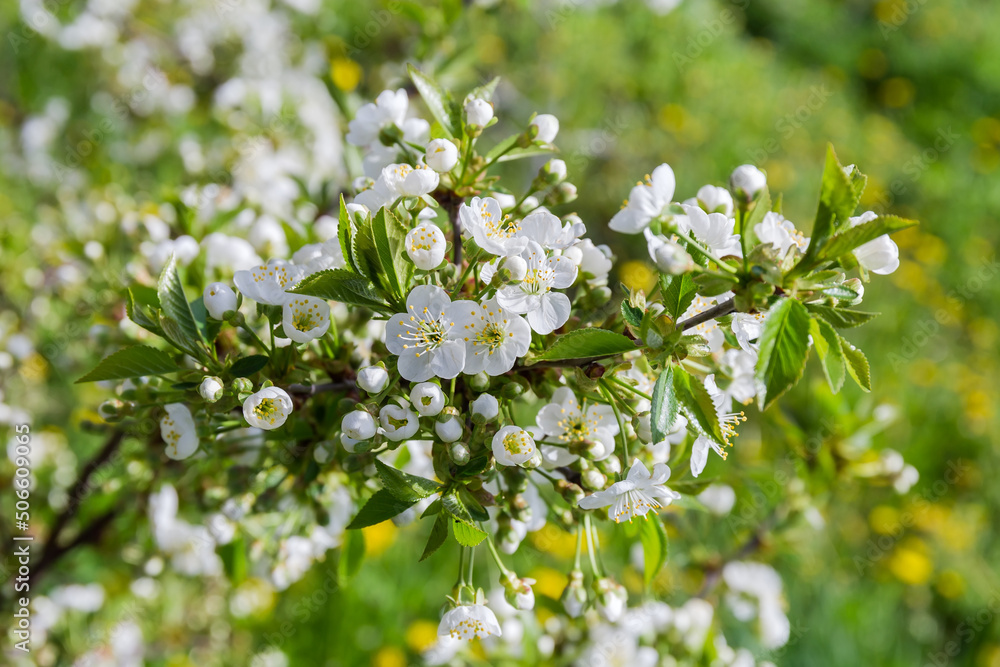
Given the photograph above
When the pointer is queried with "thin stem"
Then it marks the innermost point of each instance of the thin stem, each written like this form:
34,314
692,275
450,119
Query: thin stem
496,556
718,310
253,334
313,389
594,567
625,385
703,251
579,546
609,395
461,568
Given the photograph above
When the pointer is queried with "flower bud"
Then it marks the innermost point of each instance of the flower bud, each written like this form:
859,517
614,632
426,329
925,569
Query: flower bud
563,193
441,155
548,127
612,599
513,389
574,596
746,181
642,426
479,381
211,388
242,386
219,299
714,199
373,378
398,421
672,259
593,479
459,453
518,592
114,410
517,268
358,425
571,493
450,430
485,409
855,285
427,399
478,112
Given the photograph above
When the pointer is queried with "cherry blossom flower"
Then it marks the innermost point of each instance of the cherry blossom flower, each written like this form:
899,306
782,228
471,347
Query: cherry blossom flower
780,233
388,111
441,155
305,318
268,283
398,421
512,446
566,421
548,230
426,245
748,180
548,127
646,201
268,408
636,495
467,621
494,232
219,298
494,337
373,378
714,230
178,430
426,337
728,421
546,310
880,255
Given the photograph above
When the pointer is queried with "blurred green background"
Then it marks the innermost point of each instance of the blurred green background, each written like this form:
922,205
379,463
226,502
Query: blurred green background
908,90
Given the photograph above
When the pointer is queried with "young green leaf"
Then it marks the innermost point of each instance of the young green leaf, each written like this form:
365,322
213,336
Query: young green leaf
437,100
404,486
439,533
857,365
655,546
784,345
132,362
665,406
841,318
175,305
849,239
343,286
837,200
345,235
137,314
587,343
697,405
466,534
827,344
677,293
380,507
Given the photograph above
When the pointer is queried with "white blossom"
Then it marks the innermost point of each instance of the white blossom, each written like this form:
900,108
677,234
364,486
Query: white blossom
441,155
468,621
546,310
211,388
305,318
267,283
494,337
426,337
427,399
426,245
548,127
512,446
219,298
268,408
497,234
399,422
373,379
358,425
646,201
178,431
566,421
486,406
449,430
636,495
880,255
747,179
478,112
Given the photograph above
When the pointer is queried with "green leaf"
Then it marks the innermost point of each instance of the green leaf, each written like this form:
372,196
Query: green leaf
454,506
663,412
467,535
390,241
655,547
485,91
343,286
857,365
439,533
175,305
840,292
677,293
838,198
137,314
352,555
380,507
502,147
587,343
697,404
209,328
475,508
345,234
849,239
827,344
247,366
784,345
132,362
841,318
631,314
436,99
761,208
521,153
406,487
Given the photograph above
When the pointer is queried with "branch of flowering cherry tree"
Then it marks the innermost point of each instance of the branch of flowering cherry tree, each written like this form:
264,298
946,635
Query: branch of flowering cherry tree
435,423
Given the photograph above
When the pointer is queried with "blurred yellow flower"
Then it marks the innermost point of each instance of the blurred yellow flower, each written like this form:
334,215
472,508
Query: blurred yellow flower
389,656
884,520
548,582
950,584
638,275
421,634
345,73
379,537
910,563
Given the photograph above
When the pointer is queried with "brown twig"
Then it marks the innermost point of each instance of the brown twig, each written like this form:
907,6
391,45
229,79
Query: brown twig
717,310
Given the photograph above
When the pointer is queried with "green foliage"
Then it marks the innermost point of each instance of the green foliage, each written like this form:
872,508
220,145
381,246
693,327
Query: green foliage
665,406
343,286
655,547
132,362
784,346
586,344
382,506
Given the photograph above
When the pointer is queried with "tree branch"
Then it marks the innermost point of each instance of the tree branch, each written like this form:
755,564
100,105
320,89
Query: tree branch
313,389
717,310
